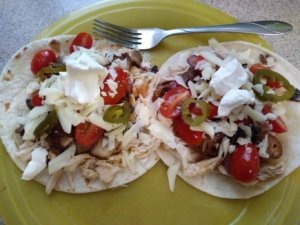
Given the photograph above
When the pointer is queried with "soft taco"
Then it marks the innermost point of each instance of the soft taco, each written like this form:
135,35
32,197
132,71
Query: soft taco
229,117
71,113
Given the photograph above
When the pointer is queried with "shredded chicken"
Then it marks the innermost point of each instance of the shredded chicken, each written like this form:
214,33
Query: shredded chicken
270,171
53,180
202,167
88,169
140,86
106,171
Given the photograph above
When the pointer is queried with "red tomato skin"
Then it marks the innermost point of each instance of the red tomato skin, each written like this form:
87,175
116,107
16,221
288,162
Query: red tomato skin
278,125
171,106
122,80
183,131
212,110
36,100
273,84
88,134
82,39
255,67
42,59
244,163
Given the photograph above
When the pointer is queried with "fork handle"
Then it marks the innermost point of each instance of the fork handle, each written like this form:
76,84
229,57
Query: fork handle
267,27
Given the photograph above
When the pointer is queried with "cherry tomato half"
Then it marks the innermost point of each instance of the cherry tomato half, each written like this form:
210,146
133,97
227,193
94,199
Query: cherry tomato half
255,67
171,106
82,39
36,100
244,163
278,125
123,83
183,131
42,59
88,134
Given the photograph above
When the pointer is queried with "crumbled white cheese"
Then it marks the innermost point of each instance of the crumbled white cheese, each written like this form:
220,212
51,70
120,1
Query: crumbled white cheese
223,126
81,78
255,115
162,133
229,76
263,146
232,99
207,73
68,118
37,163
205,127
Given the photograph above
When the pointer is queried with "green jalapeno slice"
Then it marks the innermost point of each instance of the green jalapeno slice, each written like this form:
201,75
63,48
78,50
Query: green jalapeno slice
118,113
268,78
191,118
51,69
47,125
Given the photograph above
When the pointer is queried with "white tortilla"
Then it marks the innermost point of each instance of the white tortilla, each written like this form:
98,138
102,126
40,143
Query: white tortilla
14,78
223,186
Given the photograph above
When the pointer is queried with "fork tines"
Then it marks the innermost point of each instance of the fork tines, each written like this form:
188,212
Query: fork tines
121,35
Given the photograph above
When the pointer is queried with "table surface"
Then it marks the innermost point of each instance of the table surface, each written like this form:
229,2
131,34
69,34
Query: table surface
21,21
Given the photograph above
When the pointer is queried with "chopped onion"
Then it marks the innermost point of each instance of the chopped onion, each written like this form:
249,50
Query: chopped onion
31,125
131,134
61,160
255,115
68,118
162,133
192,89
180,81
263,146
172,173
211,57
38,111
205,127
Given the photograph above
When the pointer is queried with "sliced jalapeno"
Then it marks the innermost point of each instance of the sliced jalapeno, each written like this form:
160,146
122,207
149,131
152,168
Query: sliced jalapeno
47,125
117,113
51,69
191,118
272,77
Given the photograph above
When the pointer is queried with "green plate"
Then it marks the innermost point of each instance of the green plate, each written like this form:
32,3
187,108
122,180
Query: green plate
148,200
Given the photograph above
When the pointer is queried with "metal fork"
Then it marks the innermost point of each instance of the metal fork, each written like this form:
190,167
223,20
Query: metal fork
147,38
